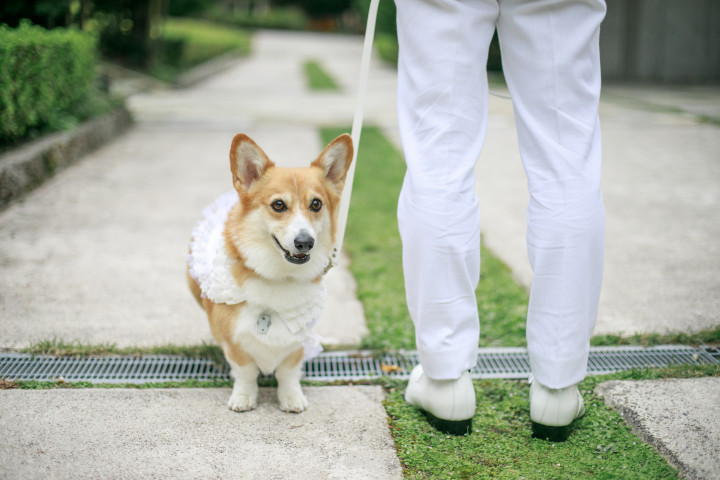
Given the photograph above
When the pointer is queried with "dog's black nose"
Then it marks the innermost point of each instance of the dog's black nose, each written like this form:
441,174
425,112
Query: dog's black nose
304,242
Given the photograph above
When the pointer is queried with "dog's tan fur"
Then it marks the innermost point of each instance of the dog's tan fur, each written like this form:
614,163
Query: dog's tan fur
250,223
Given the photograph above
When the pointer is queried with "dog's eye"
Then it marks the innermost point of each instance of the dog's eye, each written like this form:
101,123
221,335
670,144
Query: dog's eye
316,205
278,206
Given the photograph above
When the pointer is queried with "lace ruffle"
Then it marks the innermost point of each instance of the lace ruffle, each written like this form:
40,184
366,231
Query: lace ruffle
208,261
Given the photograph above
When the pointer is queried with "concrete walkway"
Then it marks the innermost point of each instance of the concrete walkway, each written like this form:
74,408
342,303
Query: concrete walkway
97,255
191,434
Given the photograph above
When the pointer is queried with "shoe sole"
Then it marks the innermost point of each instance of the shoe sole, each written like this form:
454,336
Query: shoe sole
553,434
451,427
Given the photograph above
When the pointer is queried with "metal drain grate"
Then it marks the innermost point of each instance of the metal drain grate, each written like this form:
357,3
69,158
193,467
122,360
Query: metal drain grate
356,365
111,369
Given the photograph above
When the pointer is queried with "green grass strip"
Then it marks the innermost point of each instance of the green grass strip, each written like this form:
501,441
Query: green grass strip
60,348
501,447
710,336
318,78
373,243
387,47
601,445
205,39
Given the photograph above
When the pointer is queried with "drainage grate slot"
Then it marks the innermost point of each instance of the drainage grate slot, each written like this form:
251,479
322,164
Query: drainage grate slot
512,363
712,351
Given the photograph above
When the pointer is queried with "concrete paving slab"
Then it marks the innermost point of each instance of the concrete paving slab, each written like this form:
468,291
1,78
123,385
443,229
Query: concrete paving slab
662,195
679,417
25,168
190,434
96,254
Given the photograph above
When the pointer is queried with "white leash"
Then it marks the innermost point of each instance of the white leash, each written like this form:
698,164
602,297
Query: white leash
356,129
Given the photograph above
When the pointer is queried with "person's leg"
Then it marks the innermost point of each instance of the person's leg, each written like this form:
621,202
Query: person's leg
442,107
551,63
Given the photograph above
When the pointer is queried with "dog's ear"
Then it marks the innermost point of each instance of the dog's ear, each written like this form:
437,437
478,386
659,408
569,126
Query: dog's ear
247,162
335,160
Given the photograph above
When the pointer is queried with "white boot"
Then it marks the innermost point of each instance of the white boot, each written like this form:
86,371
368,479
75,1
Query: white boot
448,404
553,410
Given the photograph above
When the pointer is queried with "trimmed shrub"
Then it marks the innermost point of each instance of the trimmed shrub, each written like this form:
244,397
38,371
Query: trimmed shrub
318,8
42,73
280,18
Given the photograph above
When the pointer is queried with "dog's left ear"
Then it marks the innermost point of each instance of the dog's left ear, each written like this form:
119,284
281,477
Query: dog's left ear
247,162
335,160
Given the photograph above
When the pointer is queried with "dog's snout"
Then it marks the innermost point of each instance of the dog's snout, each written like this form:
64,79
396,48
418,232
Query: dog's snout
304,242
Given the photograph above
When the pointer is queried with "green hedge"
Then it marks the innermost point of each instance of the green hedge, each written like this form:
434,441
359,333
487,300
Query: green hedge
42,73
279,18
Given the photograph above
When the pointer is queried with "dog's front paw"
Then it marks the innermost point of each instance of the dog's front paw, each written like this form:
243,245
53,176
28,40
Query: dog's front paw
241,402
292,402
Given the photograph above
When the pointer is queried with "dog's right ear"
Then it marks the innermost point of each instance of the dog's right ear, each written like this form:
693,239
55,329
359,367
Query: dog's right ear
247,162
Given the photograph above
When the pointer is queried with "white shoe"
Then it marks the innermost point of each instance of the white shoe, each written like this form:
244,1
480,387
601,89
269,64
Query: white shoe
553,410
448,404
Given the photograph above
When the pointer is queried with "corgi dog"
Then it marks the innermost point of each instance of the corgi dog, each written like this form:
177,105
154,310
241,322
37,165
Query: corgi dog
256,264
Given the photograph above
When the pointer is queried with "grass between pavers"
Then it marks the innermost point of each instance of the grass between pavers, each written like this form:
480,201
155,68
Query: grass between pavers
710,336
61,348
387,48
317,78
601,445
373,243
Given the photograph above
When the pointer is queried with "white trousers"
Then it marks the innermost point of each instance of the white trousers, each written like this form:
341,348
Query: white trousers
551,63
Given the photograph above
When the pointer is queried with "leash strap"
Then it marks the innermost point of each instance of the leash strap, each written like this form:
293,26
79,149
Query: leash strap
356,128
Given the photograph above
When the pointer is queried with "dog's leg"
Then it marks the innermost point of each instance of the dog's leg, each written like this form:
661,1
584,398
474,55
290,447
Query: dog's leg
245,389
242,367
288,375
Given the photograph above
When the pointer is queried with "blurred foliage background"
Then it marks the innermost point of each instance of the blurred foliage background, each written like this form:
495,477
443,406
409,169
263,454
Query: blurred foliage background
145,34
51,82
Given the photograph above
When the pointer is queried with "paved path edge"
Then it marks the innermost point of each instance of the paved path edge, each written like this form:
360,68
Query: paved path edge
30,165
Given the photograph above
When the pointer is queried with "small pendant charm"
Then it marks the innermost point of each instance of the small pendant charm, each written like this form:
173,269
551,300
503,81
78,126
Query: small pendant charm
263,324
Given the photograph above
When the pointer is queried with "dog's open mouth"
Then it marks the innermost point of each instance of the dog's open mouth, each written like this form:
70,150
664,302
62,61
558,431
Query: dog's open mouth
297,259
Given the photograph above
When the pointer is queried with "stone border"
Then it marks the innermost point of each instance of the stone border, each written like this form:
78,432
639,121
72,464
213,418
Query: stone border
29,166
207,69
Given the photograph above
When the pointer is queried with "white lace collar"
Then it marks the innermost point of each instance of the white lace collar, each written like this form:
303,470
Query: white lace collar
209,263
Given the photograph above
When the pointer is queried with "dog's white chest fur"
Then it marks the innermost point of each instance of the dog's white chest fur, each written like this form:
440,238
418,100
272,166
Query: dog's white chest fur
278,320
